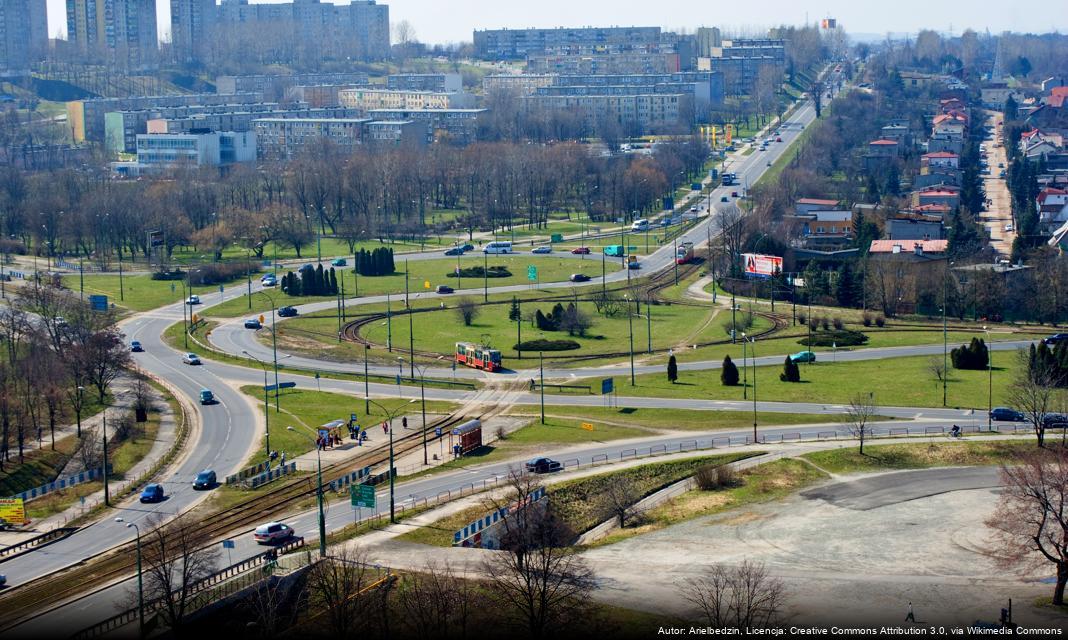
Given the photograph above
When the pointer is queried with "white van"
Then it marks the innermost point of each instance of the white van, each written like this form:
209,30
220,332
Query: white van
640,224
498,247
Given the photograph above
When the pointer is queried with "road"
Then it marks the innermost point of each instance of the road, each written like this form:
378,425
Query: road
998,213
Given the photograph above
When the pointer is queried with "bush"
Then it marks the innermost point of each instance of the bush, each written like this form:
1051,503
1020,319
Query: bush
813,324
547,345
480,272
843,338
838,324
825,323
802,318
972,356
790,371
177,274
867,319
880,320
711,478
728,375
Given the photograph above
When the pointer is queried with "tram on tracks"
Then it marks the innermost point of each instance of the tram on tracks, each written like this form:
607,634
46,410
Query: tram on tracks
478,356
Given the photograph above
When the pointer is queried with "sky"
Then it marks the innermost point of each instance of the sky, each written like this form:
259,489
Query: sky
443,21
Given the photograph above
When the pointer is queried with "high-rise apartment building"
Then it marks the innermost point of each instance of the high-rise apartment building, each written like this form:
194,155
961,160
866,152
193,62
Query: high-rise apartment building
115,32
23,34
192,29
517,44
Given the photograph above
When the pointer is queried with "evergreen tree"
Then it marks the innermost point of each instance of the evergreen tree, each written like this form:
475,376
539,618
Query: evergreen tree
333,282
864,231
307,282
672,369
513,312
728,375
320,281
873,188
790,371
845,287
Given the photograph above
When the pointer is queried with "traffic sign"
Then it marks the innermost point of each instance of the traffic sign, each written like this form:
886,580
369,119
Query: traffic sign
437,432
632,248
532,273
98,303
588,426
221,288
227,544
362,495
283,385
606,386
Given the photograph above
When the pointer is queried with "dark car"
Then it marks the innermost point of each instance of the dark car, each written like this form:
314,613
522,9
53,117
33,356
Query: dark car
724,199
467,247
581,251
136,347
1054,421
543,465
287,312
1056,339
454,251
443,288
253,323
152,493
205,480
338,262
579,277
1005,414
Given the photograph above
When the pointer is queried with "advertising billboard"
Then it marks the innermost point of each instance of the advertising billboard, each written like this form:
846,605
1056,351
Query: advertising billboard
12,510
761,266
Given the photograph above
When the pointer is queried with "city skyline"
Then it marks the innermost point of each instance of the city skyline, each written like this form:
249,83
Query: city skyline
437,24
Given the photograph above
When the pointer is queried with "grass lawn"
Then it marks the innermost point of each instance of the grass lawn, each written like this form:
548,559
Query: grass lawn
763,483
305,410
668,419
141,292
41,466
331,248
895,382
919,456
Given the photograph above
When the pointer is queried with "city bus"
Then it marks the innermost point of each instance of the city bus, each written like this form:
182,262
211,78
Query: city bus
498,247
478,356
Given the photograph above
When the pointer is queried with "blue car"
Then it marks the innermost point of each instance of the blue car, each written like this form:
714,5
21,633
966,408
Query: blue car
136,347
152,493
339,262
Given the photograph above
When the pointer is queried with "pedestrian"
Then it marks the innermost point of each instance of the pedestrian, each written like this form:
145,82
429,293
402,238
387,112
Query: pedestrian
911,617
283,458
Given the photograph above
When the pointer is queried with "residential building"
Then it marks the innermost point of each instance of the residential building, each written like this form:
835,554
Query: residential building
914,227
949,125
941,142
826,228
281,138
86,118
457,125
121,128
881,153
994,95
518,44
743,60
939,160
395,133
606,63
943,194
367,99
121,33
908,250
193,25
937,176
317,96
157,153
646,112
805,206
898,133
437,82
520,84
1052,204
279,83
23,34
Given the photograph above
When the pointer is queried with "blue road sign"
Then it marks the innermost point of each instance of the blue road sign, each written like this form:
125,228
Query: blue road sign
606,386
228,544
98,303
437,432
283,385
398,379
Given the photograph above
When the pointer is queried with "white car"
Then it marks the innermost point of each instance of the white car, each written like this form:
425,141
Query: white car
272,532
191,358
1008,228
543,249
193,299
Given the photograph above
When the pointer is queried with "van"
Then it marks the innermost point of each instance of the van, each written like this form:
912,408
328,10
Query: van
498,247
640,225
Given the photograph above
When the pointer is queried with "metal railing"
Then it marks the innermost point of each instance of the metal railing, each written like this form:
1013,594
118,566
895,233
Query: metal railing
26,546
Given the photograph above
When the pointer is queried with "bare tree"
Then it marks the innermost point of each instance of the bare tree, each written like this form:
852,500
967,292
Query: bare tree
174,561
620,499
467,310
275,606
105,358
1032,393
90,451
437,601
937,368
1031,520
858,414
575,321
745,596
342,586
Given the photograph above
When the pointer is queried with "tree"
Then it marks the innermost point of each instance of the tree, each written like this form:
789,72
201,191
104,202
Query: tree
790,371
514,311
574,321
937,368
1032,394
742,597
973,356
174,561
467,310
728,375
105,356
437,601
1031,519
858,414
672,369
339,586
619,499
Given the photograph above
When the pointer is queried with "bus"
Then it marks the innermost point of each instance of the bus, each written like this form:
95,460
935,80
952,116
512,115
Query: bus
615,250
478,356
498,247
684,253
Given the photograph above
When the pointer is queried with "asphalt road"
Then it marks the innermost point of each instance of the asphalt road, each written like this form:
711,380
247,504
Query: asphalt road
882,490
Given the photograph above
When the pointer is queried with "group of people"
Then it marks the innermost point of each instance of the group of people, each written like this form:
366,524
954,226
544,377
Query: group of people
326,440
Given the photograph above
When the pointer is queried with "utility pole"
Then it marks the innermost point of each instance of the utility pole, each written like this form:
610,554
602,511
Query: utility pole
630,325
104,429
541,373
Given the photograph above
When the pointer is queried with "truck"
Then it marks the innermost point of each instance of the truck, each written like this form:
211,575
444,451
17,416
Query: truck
728,179
684,253
615,250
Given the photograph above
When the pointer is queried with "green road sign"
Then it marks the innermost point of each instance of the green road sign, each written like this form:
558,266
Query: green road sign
532,273
362,495
632,248
556,237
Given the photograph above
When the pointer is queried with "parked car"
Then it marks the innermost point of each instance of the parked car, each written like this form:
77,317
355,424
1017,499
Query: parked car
205,480
287,312
207,397
1056,338
338,262
769,163
1001,165
778,139
803,356
193,299
454,251
444,288
542,249
136,347
543,465
585,251
60,322
191,358
1008,228
579,277
253,323
269,282
272,532
152,493
1005,414
734,194
1054,421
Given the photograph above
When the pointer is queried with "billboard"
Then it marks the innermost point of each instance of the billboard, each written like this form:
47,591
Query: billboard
761,266
12,510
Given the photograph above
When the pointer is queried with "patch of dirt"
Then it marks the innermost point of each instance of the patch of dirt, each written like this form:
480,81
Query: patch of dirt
695,504
737,519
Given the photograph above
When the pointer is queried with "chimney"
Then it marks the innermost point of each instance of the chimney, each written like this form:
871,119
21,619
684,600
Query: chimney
896,249
918,248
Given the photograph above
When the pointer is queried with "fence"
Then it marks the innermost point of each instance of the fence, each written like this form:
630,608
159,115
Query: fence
26,546
248,473
59,485
354,477
270,475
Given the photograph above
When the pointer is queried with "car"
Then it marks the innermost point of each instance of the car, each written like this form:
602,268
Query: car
467,247
778,139
734,194
191,358
269,281
579,277
193,299
3,580
152,493
268,276
207,397
1001,174
287,312
444,288
769,163
454,251
1008,228
1054,421
1056,338
253,323
542,249
724,199
272,532
1001,165
205,480
803,356
584,251
1005,414
338,262
693,209
543,465
136,347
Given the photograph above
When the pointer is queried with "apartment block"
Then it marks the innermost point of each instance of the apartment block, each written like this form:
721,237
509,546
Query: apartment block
610,63
282,138
368,99
266,83
23,36
116,32
651,113
458,125
158,153
742,60
193,30
86,118
520,84
439,82
518,44
395,133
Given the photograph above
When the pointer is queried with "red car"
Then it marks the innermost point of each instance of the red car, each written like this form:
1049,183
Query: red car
778,139
734,194
581,251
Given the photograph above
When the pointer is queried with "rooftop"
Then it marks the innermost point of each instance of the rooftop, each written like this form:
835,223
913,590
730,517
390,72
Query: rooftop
903,246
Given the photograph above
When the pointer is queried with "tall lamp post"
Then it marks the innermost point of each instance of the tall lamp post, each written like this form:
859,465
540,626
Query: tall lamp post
392,472
140,582
185,303
752,348
630,326
274,345
989,380
319,494
266,404
422,399
104,470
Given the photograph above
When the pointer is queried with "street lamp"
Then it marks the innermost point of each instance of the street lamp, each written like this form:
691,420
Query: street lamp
185,303
389,429
989,380
104,470
140,583
78,412
274,346
266,405
752,347
630,326
422,399
319,494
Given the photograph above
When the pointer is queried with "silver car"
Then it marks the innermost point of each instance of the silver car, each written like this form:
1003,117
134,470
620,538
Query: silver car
191,358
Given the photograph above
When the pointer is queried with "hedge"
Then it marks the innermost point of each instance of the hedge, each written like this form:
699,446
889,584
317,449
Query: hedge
547,345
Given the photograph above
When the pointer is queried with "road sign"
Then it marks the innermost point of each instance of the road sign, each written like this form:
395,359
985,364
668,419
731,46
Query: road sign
588,426
556,237
98,303
398,379
426,284
437,432
284,385
532,273
155,239
607,386
12,510
227,544
362,495
352,417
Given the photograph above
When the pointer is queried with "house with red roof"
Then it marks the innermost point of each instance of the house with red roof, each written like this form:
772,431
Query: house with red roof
939,160
909,250
805,206
945,194
1052,205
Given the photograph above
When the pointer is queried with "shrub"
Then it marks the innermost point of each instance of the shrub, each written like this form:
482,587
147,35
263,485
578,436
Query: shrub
838,324
971,356
843,338
880,320
547,345
790,371
802,318
813,324
825,323
480,272
711,478
728,375
867,319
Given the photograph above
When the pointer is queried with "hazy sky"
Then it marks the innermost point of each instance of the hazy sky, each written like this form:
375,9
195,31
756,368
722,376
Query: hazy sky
439,21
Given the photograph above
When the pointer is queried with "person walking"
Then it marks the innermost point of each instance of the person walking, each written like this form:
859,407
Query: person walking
911,617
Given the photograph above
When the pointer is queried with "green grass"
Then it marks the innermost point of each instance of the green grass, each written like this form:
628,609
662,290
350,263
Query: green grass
331,248
894,381
140,292
919,456
669,419
305,410
40,467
